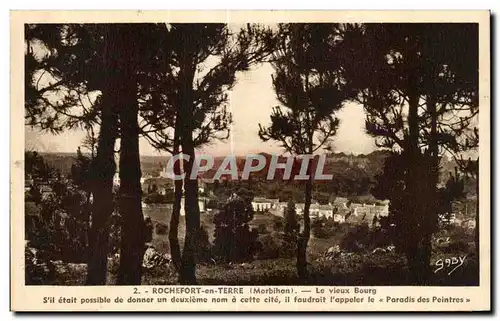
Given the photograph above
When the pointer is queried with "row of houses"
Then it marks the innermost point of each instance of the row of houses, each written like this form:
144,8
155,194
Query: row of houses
457,220
340,209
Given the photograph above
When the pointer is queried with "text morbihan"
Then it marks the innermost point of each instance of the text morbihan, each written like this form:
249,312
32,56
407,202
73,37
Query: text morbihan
272,290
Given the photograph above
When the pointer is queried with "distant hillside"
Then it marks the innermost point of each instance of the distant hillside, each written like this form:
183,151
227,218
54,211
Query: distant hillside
60,161
63,162
350,172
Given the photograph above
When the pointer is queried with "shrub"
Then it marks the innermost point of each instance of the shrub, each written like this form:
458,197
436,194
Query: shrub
276,245
161,228
317,229
155,198
262,229
268,248
379,238
148,229
291,225
233,239
356,239
36,270
203,246
278,224
114,234
322,228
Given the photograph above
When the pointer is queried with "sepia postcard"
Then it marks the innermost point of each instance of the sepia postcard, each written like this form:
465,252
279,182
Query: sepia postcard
250,161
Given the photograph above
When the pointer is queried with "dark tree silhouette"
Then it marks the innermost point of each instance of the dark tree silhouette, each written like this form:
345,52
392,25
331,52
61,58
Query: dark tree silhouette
310,86
79,63
233,239
70,66
132,65
198,95
291,225
421,101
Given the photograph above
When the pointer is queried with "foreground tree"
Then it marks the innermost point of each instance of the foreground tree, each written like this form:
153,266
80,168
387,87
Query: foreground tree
81,173
421,102
291,224
199,97
95,61
66,64
309,85
233,239
125,97
131,63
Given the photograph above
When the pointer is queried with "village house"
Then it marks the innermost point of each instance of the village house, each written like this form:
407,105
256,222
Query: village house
204,184
317,210
448,218
314,211
281,206
370,209
367,213
299,208
354,206
382,210
340,202
469,224
116,180
339,217
46,191
261,204
201,204
28,183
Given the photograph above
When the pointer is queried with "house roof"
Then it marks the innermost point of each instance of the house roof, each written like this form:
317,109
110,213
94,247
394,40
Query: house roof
340,200
45,189
262,200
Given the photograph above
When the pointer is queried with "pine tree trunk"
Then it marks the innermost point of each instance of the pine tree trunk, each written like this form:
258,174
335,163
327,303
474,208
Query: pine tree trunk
102,207
303,239
103,170
188,275
133,225
414,216
192,210
175,250
424,171
430,211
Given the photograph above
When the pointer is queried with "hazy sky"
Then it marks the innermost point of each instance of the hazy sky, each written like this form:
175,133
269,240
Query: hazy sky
251,101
